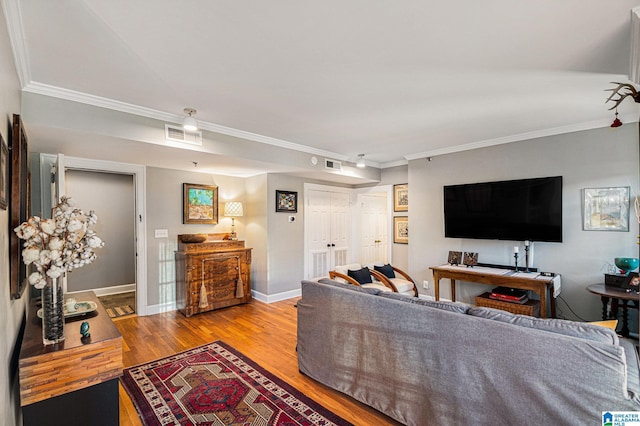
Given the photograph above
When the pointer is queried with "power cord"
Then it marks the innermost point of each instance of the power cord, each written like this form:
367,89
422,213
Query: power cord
572,311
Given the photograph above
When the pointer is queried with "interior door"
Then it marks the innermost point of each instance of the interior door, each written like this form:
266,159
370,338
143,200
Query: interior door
374,235
328,217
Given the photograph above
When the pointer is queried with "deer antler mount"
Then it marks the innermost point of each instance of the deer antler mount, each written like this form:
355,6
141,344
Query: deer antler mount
622,91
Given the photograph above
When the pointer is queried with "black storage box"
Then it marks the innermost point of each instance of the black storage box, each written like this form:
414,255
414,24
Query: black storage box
614,280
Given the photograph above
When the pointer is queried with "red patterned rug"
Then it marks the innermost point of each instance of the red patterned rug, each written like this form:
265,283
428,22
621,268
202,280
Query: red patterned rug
215,385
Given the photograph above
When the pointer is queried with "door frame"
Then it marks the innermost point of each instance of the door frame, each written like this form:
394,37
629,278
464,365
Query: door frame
139,178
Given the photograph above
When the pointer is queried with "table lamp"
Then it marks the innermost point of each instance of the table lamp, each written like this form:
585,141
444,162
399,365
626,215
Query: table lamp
233,209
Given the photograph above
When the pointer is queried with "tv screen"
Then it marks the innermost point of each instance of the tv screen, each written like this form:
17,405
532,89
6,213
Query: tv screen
515,210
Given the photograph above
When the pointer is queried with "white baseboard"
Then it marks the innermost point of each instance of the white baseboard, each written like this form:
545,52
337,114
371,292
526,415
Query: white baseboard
161,308
271,298
105,291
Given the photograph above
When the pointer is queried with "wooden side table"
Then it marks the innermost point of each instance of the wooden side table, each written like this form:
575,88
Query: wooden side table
617,297
75,381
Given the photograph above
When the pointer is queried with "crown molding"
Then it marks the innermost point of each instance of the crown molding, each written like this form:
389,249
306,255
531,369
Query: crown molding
13,17
101,102
590,125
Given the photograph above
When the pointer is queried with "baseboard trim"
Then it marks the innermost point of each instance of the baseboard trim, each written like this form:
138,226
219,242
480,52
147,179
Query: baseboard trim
161,308
278,297
106,291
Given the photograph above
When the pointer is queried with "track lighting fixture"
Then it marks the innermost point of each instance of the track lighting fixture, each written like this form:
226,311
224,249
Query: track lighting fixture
190,124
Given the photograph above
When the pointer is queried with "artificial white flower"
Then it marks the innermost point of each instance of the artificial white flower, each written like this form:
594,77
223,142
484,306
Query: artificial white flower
63,243
48,226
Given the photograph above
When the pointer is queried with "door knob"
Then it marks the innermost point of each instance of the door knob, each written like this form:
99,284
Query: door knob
377,241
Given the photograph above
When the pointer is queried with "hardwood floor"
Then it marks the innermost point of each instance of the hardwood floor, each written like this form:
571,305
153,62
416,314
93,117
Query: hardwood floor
266,333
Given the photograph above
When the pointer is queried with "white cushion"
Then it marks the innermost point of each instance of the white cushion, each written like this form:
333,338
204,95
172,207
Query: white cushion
403,285
378,286
344,269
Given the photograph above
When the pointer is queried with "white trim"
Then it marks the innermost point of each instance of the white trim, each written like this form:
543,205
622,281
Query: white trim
393,164
13,17
139,174
107,291
590,125
271,298
161,308
98,101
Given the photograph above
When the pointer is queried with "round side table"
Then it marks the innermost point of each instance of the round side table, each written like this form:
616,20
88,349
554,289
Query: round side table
618,298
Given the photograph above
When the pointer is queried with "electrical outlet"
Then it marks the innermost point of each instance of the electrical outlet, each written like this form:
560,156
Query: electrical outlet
425,284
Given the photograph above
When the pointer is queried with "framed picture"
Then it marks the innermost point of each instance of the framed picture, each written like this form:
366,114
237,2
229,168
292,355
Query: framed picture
470,259
455,258
401,229
4,174
631,283
286,201
401,198
19,207
200,204
606,209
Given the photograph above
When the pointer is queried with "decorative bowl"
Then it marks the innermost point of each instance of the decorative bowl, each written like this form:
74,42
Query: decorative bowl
626,263
193,238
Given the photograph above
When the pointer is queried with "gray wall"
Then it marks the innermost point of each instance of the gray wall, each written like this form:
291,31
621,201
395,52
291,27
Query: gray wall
595,158
11,311
257,230
164,211
112,197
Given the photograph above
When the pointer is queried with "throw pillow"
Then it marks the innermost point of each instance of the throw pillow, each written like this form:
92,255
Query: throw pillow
363,276
387,270
565,327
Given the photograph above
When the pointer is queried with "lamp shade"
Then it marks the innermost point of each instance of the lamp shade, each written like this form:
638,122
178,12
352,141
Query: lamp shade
190,124
233,209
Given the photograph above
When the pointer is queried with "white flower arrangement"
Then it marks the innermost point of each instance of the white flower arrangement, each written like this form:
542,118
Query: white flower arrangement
60,244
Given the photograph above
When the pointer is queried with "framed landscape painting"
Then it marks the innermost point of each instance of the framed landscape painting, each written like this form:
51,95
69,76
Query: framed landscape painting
606,209
200,204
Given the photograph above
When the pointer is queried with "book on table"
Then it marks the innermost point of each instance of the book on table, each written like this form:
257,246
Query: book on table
507,294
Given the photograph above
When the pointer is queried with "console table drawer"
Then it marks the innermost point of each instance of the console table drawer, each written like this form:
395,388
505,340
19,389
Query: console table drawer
531,307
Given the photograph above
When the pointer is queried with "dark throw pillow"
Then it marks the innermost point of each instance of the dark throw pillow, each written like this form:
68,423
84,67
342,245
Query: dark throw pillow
387,270
363,276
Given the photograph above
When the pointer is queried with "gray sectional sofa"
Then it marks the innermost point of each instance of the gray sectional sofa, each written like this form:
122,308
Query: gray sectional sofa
423,362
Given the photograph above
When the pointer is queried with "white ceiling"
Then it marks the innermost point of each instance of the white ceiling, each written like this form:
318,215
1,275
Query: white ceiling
392,80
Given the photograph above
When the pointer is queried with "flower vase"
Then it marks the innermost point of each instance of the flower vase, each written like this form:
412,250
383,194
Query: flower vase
52,312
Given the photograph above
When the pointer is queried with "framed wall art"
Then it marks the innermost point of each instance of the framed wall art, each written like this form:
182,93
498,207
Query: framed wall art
19,204
401,198
401,229
4,174
200,204
286,201
606,209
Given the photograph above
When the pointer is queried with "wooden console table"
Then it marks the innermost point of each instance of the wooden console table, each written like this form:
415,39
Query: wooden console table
497,278
617,297
75,381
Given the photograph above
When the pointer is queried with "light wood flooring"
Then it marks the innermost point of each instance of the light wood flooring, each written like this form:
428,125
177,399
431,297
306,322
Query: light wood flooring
266,333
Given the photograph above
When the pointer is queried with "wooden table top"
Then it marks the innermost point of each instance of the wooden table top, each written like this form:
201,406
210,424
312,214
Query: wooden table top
47,371
613,292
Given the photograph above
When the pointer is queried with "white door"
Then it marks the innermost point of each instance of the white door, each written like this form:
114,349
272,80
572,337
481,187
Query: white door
374,235
328,219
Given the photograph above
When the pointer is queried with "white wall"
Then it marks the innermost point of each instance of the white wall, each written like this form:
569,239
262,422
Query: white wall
164,211
257,236
12,312
595,158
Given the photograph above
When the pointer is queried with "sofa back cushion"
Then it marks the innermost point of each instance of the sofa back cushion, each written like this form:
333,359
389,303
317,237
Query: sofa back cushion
352,287
443,304
565,327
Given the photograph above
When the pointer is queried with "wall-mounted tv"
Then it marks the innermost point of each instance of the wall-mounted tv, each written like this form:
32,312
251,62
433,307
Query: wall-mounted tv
514,210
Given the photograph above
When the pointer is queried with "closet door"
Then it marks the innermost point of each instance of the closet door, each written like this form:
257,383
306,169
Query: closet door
328,231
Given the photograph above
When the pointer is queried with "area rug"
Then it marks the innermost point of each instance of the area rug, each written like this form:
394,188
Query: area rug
216,385
120,311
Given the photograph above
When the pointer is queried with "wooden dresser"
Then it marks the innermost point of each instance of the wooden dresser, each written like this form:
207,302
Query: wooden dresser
211,275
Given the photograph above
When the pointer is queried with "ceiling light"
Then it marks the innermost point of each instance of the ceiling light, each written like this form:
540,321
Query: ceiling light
190,124
360,163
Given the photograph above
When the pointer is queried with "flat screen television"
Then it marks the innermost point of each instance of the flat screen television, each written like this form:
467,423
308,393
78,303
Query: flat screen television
514,210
